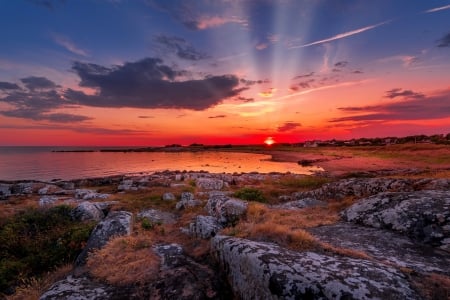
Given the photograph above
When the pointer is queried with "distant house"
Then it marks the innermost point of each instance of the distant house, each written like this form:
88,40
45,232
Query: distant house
310,144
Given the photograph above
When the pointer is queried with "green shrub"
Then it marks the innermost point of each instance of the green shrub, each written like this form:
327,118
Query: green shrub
250,194
147,224
38,240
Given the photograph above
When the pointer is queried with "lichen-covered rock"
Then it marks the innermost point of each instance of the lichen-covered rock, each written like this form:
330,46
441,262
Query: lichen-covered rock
384,246
157,216
126,185
85,194
299,204
47,201
87,211
116,223
168,197
226,209
423,215
5,190
204,227
209,183
26,188
49,189
187,200
266,271
81,288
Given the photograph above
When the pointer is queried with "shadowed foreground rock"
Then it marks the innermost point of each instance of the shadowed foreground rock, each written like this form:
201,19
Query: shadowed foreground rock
117,223
266,271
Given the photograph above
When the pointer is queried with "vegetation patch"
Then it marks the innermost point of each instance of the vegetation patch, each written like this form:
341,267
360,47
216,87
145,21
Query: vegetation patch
250,194
37,241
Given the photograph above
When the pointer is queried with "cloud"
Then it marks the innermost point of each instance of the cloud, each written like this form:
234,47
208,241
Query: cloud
217,117
33,83
306,84
205,22
261,46
148,83
252,82
268,94
304,75
288,126
243,99
8,86
402,93
341,64
425,108
437,9
68,44
145,117
445,41
37,101
340,35
180,47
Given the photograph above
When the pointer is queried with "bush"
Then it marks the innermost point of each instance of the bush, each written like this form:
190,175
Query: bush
38,240
250,194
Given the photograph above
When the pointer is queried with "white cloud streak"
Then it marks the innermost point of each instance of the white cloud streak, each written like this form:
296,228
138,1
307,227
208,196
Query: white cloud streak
437,9
68,44
340,36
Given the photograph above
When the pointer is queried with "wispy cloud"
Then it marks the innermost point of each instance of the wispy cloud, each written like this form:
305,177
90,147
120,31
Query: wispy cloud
437,9
340,35
68,44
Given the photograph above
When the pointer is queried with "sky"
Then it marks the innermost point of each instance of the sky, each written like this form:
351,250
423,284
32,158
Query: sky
158,72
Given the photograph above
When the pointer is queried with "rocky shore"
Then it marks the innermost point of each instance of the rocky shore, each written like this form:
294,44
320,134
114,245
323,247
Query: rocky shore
389,237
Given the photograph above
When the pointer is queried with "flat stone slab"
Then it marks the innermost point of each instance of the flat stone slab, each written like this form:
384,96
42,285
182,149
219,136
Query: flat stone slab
385,246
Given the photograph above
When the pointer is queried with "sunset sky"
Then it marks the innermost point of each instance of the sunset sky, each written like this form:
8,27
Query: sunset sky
156,72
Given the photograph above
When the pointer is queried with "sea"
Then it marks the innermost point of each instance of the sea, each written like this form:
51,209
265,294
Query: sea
47,163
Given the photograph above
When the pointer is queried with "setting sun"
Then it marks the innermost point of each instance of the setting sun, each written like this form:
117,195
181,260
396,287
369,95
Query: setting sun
269,141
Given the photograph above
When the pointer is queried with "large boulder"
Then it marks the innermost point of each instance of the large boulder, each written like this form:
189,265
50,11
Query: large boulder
5,190
204,227
86,194
209,183
157,216
81,288
226,209
116,223
86,211
265,271
187,200
424,215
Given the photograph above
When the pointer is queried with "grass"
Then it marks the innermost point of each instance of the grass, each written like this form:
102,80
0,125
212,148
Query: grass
250,194
37,241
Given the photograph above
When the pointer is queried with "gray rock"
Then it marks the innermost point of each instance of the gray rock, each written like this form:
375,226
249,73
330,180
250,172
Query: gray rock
385,246
187,200
125,185
85,194
227,210
5,190
266,271
116,223
47,201
82,288
421,214
302,203
204,227
157,216
209,183
168,197
26,188
49,189
87,211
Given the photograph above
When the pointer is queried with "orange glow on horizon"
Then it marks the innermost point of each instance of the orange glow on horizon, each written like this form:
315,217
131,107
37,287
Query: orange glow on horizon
269,141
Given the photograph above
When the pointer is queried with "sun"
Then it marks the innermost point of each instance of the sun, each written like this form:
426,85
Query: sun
269,141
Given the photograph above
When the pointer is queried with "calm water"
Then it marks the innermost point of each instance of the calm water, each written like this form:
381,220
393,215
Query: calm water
40,163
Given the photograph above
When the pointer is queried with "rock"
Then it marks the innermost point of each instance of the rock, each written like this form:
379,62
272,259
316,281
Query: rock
299,204
26,188
204,227
168,197
87,211
266,271
116,223
49,189
5,190
157,216
187,200
209,183
47,200
182,278
384,246
227,210
85,194
125,185
421,214
78,288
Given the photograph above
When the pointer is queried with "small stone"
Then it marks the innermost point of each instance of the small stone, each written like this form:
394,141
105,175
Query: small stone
168,197
209,183
47,201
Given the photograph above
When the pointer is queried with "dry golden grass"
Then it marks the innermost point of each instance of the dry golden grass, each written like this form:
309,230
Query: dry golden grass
33,288
16,204
125,260
432,286
345,251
